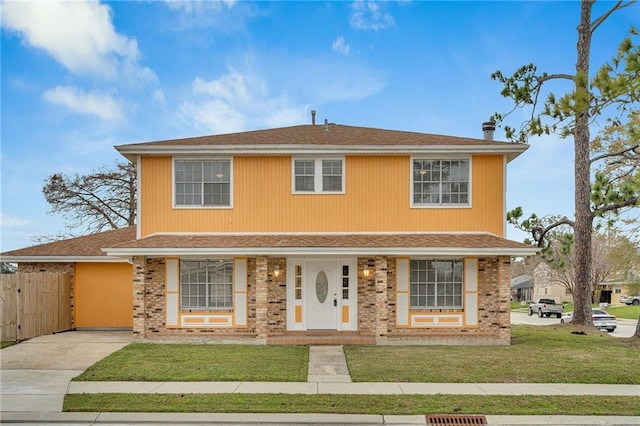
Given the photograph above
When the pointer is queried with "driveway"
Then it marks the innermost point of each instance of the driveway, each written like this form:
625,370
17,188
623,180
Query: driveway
35,374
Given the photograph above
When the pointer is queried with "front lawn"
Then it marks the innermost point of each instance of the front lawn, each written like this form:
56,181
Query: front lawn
356,404
152,362
549,354
624,311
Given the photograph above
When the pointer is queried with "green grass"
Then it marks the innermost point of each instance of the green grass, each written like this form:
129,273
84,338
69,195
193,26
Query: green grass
197,362
355,404
5,344
625,311
549,354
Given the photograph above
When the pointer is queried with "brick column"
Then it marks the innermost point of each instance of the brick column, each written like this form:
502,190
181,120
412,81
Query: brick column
504,299
139,308
382,311
262,297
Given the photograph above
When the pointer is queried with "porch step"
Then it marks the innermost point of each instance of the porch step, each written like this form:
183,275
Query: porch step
327,364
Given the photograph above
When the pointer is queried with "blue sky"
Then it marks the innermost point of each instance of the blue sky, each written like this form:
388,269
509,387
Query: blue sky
79,77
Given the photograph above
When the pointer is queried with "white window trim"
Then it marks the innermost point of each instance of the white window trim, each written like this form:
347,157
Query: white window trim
431,308
200,207
317,185
440,206
205,309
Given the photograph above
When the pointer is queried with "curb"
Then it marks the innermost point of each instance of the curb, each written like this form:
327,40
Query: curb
292,419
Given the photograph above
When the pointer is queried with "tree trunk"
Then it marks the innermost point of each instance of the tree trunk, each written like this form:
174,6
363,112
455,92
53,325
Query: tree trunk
584,217
637,328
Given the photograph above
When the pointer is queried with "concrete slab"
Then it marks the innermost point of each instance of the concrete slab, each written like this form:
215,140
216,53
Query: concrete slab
197,387
440,388
73,350
112,387
404,420
281,387
40,403
336,378
360,388
558,389
562,420
327,364
239,418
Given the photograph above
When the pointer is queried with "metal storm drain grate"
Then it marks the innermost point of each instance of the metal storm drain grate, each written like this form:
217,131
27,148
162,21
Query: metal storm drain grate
446,419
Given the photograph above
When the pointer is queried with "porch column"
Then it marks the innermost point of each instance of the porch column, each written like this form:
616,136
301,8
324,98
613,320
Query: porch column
262,297
382,310
504,290
139,309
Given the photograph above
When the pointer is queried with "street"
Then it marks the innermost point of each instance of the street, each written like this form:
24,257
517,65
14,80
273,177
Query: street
626,327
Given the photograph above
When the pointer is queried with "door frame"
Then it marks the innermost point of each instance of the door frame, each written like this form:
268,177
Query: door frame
300,289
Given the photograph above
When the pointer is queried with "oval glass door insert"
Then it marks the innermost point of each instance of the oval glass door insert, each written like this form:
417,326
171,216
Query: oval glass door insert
322,286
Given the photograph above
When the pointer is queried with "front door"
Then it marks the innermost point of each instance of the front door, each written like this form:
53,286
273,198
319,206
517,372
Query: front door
322,296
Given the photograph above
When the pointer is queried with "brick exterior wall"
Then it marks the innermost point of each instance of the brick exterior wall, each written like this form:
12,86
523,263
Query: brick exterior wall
149,305
68,268
493,309
267,306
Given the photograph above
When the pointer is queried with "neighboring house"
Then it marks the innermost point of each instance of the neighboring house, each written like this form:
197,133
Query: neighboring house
522,288
313,234
546,286
610,291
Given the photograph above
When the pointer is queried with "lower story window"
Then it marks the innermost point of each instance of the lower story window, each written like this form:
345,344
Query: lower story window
436,283
206,284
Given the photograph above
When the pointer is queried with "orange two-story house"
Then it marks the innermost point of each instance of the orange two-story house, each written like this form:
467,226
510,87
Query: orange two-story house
321,234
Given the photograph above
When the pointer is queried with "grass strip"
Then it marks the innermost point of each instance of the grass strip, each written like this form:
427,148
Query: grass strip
538,354
200,362
355,404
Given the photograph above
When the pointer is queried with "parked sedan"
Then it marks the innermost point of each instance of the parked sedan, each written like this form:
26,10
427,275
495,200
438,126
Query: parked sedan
600,318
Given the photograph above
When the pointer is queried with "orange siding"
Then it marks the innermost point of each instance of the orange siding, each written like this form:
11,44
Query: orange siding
377,199
103,295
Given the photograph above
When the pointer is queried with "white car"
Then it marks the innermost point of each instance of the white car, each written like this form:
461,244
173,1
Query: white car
600,318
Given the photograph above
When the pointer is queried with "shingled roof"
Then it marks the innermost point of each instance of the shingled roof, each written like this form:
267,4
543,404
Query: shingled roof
87,246
323,244
319,137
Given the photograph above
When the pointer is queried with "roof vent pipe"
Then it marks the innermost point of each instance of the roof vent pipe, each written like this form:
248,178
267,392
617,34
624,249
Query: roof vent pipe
488,127
313,117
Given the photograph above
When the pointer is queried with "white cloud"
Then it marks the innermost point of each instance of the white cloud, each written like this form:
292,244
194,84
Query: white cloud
9,221
340,46
238,101
78,34
368,16
158,96
100,105
199,6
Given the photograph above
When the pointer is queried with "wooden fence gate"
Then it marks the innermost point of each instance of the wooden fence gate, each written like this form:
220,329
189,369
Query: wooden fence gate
34,304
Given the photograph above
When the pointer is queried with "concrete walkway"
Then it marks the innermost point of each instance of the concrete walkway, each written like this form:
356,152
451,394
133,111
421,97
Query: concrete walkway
327,364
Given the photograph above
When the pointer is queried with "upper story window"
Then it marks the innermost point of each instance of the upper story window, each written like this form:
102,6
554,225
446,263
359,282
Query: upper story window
318,175
436,284
203,183
437,182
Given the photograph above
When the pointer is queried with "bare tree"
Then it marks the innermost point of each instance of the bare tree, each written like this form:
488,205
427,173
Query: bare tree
613,90
612,254
102,200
